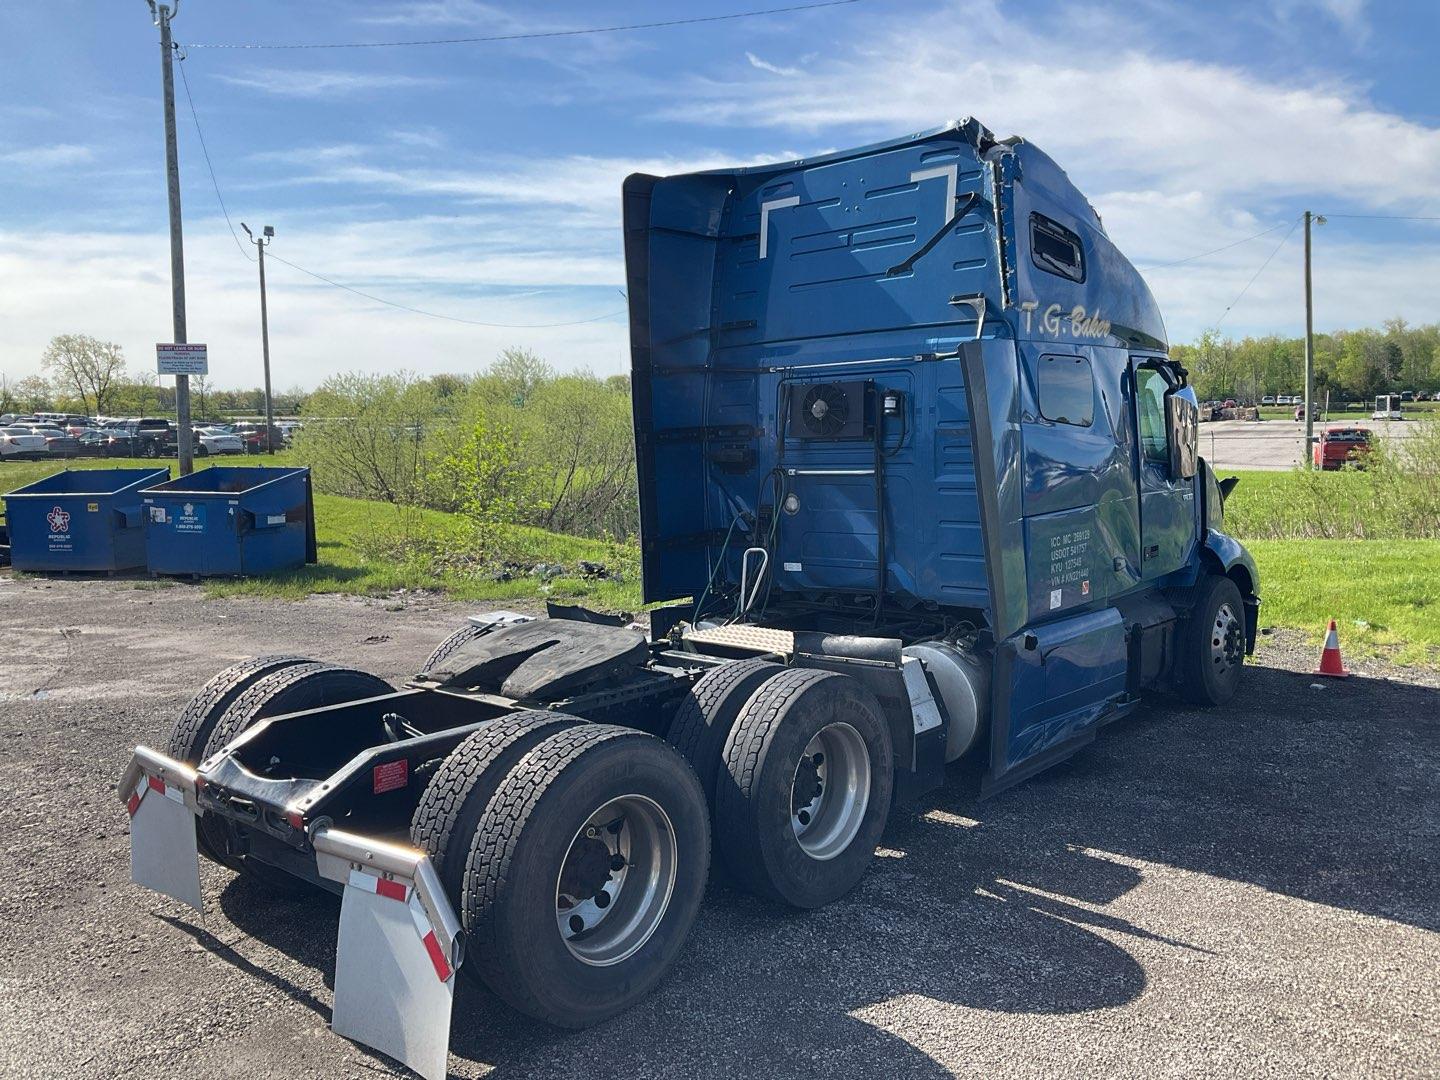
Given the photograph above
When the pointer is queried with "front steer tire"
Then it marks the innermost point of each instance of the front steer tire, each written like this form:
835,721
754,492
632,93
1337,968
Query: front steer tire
767,839
533,839
1212,643
450,809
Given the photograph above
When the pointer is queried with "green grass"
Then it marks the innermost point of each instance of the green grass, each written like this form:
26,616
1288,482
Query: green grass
352,561
1383,595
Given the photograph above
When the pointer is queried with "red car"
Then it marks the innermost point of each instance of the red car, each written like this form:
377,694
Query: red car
1340,444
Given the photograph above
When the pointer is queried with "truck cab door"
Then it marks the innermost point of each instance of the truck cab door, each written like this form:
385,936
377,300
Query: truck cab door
1167,495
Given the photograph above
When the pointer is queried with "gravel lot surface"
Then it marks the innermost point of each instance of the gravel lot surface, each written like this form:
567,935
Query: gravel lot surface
1249,893
1279,444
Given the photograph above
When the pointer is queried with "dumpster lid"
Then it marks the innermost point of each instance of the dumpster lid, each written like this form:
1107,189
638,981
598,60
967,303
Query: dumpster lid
90,482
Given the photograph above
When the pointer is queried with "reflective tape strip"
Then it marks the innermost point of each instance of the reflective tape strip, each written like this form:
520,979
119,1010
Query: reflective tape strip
429,940
392,890
152,783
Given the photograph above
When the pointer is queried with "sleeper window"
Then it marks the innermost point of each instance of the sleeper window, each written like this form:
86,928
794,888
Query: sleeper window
1066,390
1055,248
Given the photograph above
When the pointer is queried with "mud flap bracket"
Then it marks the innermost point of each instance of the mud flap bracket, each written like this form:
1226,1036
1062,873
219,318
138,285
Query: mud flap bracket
159,794
400,944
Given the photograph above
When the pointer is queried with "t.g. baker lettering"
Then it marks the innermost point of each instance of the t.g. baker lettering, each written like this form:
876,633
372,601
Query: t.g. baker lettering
1054,320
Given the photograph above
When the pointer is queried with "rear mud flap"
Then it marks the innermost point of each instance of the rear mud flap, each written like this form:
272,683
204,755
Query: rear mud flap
159,795
400,942
399,947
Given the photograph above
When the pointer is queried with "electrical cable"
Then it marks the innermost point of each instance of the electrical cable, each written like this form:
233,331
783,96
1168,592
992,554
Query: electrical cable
1216,251
200,134
531,36
204,150
1257,273
1384,217
436,314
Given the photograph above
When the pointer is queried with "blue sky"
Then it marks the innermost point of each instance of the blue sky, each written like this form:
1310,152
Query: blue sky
483,180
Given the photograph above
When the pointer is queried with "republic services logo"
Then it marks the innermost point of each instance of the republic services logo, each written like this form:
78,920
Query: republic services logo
59,520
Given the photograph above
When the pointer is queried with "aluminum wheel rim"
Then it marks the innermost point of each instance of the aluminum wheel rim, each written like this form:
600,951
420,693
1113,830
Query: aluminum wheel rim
831,791
1227,640
608,905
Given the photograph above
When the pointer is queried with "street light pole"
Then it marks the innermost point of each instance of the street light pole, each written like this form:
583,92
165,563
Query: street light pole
261,242
162,15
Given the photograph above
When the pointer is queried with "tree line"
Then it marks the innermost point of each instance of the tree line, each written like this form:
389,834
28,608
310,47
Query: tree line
87,376
1350,365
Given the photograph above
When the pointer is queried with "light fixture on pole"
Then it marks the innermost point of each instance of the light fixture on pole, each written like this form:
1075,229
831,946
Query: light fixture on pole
261,242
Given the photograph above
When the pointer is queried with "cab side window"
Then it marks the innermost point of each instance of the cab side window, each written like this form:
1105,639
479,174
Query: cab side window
1056,249
1150,387
1065,387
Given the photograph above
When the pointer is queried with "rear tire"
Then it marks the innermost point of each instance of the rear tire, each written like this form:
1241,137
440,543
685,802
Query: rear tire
197,721
1212,643
449,811
809,779
546,852
303,685
466,634
702,723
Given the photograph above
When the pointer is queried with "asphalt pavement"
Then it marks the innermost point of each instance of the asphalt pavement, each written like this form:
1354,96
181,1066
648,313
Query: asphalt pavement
1247,892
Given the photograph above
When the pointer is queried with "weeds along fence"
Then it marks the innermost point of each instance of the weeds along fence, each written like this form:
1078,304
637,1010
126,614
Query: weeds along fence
517,445
1395,496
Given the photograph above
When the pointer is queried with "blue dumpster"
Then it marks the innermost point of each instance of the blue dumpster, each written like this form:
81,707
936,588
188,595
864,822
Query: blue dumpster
80,519
229,520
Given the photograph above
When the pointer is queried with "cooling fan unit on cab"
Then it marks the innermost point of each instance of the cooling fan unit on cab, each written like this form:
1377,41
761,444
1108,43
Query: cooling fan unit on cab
830,410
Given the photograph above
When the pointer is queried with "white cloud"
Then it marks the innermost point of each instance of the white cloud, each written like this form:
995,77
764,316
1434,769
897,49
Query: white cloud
55,156
1172,124
774,69
323,84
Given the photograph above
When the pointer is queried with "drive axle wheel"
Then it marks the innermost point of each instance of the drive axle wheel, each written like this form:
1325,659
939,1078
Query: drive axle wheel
457,795
703,721
586,874
198,719
809,777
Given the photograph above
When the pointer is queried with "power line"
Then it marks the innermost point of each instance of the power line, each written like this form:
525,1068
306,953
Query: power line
1216,251
1383,217
438,315
1257,273
206,152
195,116
617,29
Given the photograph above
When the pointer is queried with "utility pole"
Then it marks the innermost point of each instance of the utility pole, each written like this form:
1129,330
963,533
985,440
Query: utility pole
261,242
162,14
1318,219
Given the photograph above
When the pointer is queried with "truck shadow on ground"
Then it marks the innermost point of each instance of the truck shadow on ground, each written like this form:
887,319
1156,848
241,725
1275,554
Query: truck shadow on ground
998,906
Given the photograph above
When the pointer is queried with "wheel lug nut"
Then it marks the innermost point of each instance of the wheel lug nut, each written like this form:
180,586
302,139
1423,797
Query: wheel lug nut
602,900
818,759
617,863
804,817
576,924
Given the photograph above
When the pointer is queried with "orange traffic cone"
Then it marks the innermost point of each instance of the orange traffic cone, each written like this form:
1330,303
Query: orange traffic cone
1330,662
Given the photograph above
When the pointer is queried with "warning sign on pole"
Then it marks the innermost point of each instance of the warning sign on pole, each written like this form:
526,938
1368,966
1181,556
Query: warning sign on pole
181,360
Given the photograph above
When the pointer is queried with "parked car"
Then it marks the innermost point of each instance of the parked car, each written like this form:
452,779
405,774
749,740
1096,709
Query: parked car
1341,444
1407,395
208,441
1268,399
21,442
93,442
58,443
254,436
1229,403
145,438
1300,411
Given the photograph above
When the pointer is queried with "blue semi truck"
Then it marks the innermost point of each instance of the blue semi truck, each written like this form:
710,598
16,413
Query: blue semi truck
917,481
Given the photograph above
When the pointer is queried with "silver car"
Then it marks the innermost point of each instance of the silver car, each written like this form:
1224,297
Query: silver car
22,442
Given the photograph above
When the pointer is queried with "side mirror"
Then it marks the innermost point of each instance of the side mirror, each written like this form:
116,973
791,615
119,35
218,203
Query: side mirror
1183,419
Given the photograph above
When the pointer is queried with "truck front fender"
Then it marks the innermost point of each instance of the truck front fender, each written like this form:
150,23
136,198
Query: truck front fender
1228,556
